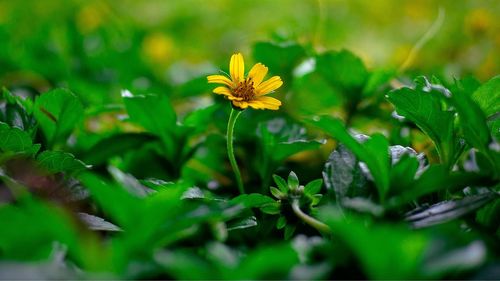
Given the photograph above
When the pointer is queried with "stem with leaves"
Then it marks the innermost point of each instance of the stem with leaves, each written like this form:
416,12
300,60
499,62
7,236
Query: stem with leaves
230,150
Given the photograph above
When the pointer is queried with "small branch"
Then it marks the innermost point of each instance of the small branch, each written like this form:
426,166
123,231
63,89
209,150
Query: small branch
321,227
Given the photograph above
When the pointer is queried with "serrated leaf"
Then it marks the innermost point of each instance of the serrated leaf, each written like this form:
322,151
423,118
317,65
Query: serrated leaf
58,112
313,187
15,140
425,110
342,174
59,161
374,151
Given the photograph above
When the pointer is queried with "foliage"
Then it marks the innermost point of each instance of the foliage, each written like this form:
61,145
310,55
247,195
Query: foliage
374,176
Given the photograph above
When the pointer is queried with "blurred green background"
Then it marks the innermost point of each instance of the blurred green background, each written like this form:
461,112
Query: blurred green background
97,48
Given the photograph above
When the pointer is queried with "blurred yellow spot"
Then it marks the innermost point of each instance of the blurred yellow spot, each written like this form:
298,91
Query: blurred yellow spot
417,10
89,18
489,67
400,54
478,22
157,47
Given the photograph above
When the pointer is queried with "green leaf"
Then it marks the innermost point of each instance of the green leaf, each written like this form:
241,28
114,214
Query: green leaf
403,250
253,200
313,187
17,141
58,112
17,112
313,95
446,211
488,95
435,178
155,114
374,151
59,161
281,58
281,222
289,231
115,145
343,176
425,110
242,223
96,223
342,69
293,181
282,185
403,174
471,117
277,193
265,263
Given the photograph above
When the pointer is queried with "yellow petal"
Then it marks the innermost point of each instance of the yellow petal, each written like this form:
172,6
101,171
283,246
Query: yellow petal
240,104
226,92
265,103
237,68
219,79
268,86
257,74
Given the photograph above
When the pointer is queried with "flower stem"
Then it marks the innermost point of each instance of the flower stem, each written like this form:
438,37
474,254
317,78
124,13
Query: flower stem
321,227
230,151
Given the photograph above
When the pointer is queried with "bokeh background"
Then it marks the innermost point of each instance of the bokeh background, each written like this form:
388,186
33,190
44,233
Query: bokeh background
97,48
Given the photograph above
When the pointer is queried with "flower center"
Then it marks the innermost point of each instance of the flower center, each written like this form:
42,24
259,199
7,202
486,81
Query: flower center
245,90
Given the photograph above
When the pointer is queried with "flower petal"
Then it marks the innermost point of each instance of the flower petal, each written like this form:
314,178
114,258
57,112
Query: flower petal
268,86
226,92
265,103
237,68
219,79
240,104
257,74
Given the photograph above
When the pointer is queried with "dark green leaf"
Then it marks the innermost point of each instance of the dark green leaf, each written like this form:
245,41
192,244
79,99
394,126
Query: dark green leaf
155,114
448,210
115,145
58,112
374,151
17,141
59,161
343,175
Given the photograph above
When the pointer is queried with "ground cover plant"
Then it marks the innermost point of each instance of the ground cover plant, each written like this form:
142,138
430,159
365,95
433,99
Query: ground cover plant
278,160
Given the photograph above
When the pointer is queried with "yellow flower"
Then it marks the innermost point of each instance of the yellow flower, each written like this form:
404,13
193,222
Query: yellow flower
250,91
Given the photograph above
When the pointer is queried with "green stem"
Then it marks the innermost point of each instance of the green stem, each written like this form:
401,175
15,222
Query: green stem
321,227
230,151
